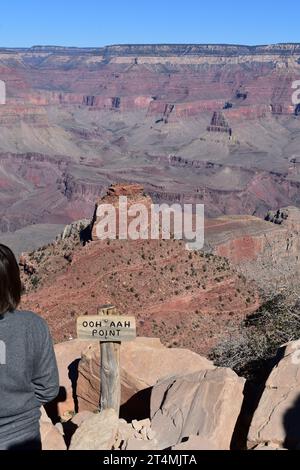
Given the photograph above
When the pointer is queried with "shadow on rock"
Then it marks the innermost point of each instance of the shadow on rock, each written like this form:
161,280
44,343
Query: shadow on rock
52,408
252,394
73,376
291,422
137,407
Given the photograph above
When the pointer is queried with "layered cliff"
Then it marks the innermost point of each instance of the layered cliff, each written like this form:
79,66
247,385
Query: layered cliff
264,250
149,114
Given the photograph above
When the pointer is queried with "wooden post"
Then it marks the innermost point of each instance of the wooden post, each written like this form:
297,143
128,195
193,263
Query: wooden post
106,327
110,369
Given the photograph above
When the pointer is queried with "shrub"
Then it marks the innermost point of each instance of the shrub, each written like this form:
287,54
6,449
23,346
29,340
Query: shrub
34,281
255,343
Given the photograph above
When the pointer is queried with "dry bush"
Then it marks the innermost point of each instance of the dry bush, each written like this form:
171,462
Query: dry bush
251,348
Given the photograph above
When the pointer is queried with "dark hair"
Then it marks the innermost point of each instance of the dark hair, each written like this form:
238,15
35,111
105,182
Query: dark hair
10,281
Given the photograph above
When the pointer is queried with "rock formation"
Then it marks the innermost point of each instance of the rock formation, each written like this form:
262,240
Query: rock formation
77,120
144,362
51,436
134,194
264,250
97,432
206,404
187,401
116,114
219,124
68,355
276,419
173,291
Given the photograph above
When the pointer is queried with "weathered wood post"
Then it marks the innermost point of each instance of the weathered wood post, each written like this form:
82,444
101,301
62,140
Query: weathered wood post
110,396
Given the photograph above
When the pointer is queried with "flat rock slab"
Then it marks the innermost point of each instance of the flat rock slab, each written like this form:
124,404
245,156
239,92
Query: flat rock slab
205,403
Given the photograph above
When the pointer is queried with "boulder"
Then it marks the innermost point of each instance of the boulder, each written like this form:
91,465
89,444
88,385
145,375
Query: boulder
52,439
204,403
143,362
276,420
51,436
68,355
99,432
79,418
44,417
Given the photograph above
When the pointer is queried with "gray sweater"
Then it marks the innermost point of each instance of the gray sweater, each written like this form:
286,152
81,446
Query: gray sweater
28,374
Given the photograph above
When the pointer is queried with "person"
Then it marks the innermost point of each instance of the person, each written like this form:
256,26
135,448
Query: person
28,369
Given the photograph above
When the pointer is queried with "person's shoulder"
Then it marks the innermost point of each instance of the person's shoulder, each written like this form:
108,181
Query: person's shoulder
26,316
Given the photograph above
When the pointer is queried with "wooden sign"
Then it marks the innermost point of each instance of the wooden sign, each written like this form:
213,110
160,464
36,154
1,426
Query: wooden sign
106,328
110,329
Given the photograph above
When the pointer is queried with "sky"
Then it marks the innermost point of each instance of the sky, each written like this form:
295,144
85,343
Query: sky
95,23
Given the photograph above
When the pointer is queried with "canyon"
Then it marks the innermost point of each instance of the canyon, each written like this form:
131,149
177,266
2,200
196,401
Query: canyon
208,124
212,124
186,303
186,298
189,298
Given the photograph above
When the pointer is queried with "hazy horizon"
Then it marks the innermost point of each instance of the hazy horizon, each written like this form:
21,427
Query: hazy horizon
97,23
65,46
